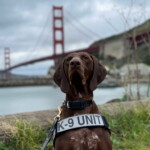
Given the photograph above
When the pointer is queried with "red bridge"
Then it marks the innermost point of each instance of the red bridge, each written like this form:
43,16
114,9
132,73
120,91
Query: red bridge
90,50
56,42
141,38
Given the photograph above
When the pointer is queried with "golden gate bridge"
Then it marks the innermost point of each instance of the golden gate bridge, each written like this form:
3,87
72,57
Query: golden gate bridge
140,38
56,42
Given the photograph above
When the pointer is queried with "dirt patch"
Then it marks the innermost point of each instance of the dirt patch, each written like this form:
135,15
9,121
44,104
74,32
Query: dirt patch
41,118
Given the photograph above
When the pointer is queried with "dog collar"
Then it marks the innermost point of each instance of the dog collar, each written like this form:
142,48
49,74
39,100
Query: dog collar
77,104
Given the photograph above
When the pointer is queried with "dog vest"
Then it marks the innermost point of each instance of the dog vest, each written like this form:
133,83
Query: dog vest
80,121
75,122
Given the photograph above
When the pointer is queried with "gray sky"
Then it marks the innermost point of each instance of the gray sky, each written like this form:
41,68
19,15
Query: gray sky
26,26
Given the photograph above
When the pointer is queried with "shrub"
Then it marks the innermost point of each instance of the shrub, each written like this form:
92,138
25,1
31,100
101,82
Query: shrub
130,129
27,137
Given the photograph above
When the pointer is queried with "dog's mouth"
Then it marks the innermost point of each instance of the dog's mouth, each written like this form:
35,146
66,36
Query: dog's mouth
76,76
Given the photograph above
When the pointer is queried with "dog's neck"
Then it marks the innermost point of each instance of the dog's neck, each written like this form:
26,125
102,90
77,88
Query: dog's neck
79,92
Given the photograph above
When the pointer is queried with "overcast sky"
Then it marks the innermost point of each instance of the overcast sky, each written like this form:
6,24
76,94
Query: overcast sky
26,26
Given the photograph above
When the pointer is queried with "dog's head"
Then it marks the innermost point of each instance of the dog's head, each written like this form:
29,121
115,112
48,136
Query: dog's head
79,68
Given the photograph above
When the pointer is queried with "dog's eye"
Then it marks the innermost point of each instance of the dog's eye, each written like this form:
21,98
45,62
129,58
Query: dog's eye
68,59
85,57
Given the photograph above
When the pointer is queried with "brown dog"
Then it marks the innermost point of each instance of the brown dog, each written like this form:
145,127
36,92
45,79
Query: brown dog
78,76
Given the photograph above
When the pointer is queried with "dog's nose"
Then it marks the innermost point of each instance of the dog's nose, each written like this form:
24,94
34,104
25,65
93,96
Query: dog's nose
74,63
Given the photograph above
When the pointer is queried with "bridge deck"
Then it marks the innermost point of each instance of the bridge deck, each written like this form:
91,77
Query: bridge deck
89,50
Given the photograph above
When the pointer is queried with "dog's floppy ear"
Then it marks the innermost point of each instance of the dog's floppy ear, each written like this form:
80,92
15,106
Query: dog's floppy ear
99,73
61,79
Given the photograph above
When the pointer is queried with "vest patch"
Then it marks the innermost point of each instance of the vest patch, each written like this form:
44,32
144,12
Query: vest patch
79,121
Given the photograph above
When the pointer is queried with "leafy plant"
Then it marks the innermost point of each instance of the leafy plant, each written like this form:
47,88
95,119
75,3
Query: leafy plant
130,129
124,98
27,137
2,146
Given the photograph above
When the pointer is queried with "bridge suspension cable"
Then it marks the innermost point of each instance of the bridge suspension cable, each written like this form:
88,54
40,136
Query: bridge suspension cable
86,31
34,52
79,29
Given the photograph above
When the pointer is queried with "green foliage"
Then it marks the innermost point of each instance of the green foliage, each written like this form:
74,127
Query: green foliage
144,53
2,146
130,129
147,59
124,98
27,137
141,28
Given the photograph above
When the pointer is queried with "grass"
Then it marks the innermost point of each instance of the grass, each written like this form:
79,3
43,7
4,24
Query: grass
26,137
130,131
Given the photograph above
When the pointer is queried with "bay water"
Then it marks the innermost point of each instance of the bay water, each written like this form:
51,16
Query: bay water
35,98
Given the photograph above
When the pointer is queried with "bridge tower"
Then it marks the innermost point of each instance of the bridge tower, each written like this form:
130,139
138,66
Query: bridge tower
7,61
58,28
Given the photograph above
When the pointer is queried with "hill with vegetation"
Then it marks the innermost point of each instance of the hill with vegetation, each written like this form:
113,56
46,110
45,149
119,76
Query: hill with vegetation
143,49
144,27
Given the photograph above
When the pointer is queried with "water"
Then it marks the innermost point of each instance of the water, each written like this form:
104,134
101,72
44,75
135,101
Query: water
28,99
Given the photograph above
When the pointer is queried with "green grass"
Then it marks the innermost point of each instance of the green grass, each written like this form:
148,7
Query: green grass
130,131
26,137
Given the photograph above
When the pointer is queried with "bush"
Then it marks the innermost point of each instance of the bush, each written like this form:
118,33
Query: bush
2,146
147,59
27,137
130,129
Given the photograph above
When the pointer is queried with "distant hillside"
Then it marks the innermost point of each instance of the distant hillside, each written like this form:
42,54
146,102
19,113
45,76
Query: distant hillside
14,76
139,29
114,50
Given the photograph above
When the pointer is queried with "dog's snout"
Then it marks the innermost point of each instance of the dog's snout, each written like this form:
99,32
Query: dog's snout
75,63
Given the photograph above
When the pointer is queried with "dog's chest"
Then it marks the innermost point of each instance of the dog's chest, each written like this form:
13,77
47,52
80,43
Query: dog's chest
86,138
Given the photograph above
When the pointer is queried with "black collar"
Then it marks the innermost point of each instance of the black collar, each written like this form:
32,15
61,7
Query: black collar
77,104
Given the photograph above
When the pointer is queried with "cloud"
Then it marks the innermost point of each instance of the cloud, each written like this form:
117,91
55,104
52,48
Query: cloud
26,26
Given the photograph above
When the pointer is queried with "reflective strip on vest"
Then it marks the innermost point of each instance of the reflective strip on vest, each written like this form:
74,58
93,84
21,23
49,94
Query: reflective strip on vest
80,121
